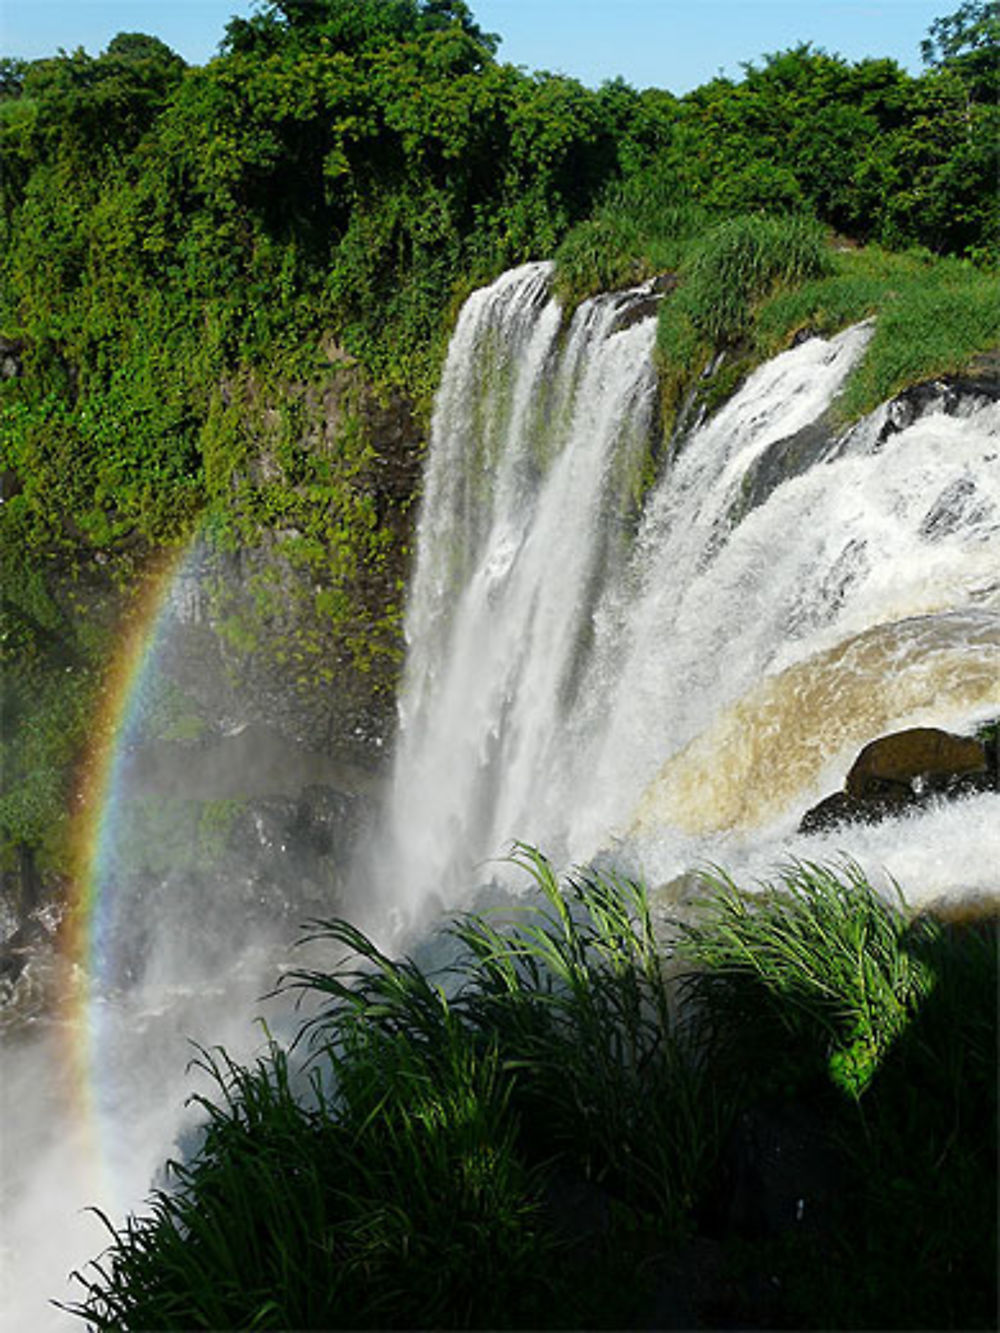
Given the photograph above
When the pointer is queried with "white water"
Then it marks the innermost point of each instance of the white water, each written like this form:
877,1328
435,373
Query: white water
680,686
537,441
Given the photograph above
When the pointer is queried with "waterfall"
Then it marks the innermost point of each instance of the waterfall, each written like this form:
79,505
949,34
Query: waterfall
539,437
673,672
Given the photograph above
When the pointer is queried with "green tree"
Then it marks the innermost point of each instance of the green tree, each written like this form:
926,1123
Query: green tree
968,42
353,25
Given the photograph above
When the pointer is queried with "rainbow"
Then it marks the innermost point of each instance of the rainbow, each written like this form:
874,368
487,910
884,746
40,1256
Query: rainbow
86,934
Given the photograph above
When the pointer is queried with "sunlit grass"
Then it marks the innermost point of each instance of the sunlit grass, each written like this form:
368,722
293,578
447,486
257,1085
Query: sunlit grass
829,957
932,317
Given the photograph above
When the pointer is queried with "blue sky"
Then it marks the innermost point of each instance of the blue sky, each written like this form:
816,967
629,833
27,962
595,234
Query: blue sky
675,44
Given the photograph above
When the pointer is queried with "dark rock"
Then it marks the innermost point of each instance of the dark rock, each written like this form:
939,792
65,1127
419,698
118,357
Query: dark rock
904,770
16,952
665,282
910,762
821,440
644,302
11,354
839,809
955,395
789,457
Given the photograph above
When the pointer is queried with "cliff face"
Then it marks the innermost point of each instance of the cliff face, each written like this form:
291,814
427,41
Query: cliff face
268,703
302,596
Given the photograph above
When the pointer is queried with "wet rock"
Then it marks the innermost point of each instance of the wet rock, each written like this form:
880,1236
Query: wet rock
10,484
786,458
839,808
952,395
644,302
906,769
17,951
910,762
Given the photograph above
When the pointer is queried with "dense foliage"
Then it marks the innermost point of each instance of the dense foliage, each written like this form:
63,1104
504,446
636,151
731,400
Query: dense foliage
190,256
533,1138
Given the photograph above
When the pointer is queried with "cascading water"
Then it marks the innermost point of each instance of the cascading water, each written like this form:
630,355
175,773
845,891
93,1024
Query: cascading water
539,439
678,678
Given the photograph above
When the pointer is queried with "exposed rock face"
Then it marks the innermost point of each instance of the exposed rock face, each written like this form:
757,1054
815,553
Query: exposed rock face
325,683
906,768
953,395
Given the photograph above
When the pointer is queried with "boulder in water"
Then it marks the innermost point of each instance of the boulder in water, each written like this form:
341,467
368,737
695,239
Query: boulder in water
910,762
905,769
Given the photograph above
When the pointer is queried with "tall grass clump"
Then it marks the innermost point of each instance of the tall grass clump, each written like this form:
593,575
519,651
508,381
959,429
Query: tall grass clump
403,1166
731,270
532,1135
574,994
822,953
644,225
875,1028
727,274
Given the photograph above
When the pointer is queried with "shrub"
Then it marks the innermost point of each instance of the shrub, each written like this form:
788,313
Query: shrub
738,264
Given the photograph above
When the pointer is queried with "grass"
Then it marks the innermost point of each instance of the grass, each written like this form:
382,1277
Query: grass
827,955
640,228
933,317
749,283
531,1137
733,268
